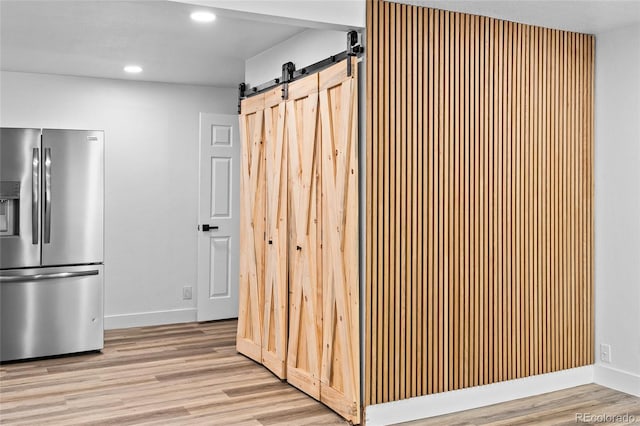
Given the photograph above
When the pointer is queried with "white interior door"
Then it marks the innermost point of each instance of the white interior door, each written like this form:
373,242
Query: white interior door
218,217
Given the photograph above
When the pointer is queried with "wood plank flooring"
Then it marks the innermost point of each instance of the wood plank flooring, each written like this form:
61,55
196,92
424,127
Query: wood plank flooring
554,408
174,374
188,374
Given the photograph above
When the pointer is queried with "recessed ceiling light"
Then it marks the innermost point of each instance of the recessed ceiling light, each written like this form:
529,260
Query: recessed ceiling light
133,69
203,16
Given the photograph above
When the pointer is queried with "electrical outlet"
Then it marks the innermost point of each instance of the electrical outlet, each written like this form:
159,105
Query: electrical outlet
605,353
187,292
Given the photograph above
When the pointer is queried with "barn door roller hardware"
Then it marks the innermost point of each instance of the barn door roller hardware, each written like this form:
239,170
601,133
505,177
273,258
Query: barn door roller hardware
291,74
287,75
353,48
242,88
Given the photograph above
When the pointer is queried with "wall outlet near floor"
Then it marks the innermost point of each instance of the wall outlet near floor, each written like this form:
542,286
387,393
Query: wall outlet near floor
187,292
605,352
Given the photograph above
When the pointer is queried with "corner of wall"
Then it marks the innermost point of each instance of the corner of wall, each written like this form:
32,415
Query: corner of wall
619,380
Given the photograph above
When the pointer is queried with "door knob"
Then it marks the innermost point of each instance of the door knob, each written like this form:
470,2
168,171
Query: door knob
207,227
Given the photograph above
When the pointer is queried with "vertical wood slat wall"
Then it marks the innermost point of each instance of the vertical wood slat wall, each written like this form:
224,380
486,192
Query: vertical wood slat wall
479,233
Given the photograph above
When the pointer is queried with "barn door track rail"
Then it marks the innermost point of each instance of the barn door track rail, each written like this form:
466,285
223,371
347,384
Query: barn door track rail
290,73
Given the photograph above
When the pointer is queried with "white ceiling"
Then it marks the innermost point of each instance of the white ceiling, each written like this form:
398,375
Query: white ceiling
338,15
97,38
585,16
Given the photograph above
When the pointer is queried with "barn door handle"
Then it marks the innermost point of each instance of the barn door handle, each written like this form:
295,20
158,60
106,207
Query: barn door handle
207,227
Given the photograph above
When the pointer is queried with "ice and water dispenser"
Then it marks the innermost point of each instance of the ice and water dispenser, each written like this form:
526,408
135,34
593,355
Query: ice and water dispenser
9,208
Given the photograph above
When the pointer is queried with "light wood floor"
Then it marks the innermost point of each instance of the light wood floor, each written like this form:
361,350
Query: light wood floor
177,374
191,374
555,408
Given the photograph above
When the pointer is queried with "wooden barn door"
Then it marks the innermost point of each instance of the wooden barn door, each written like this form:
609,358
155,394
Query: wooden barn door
252,229
340,370
301,318
305,285
274,334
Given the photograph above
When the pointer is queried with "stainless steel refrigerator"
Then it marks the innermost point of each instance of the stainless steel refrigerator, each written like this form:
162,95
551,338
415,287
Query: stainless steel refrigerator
51,242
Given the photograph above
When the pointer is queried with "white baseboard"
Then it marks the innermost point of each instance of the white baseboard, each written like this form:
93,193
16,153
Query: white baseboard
143,319
480,396
619,380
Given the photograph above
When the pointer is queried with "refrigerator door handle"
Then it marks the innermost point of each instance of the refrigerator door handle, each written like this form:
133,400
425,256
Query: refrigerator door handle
35,195
40,277
47,196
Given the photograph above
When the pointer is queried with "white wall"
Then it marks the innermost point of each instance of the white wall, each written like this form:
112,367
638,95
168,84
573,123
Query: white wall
617,207
151,156
302,49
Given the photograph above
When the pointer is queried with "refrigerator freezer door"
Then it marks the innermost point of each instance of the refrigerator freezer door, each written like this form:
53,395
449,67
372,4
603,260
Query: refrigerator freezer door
73,197
50,311
19,194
